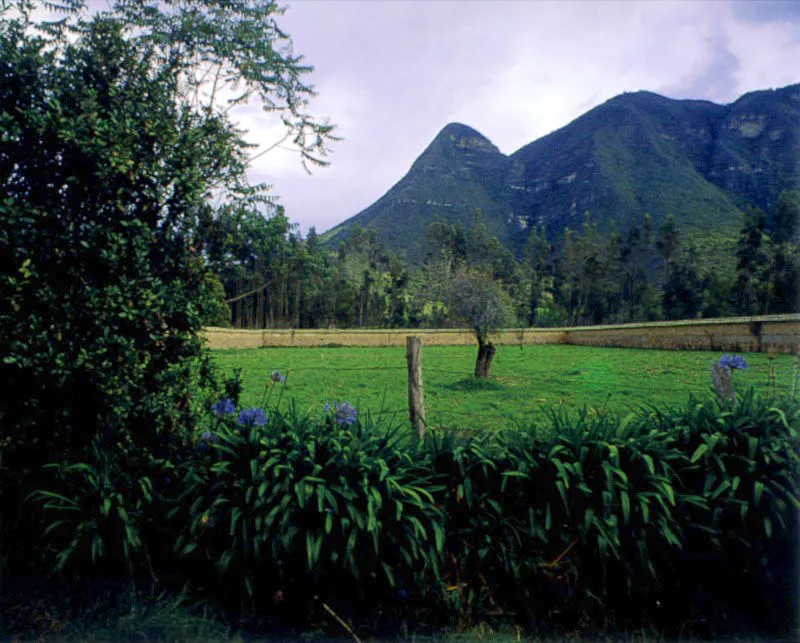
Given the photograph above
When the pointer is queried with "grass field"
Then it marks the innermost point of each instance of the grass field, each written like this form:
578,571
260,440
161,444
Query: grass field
526,381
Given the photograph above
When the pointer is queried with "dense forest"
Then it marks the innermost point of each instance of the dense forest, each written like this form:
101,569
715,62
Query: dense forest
274,277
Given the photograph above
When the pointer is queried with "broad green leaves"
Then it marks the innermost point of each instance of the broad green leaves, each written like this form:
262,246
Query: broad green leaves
604,510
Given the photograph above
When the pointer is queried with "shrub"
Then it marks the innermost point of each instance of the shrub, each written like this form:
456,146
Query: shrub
104,290
604,519
537,525
292,509
743,460
106,516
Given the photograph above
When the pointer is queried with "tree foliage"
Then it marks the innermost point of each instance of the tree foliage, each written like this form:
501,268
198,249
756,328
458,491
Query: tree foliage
585,276
477,301
112,149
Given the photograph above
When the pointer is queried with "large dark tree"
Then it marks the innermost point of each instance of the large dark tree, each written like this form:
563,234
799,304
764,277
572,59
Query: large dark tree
784,226
112,146
537,257
683,287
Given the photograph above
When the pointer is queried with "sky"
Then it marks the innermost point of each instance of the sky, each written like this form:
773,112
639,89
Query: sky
390,74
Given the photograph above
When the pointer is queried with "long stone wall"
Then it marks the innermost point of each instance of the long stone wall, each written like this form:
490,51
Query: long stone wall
767,333
234,338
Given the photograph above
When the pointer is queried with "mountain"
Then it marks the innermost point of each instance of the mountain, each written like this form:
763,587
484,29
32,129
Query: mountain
636,153
459,172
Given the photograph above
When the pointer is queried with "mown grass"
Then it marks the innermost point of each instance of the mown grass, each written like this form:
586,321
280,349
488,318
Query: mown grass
526,381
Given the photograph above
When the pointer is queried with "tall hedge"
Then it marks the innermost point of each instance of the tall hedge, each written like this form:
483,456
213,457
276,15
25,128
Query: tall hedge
111,156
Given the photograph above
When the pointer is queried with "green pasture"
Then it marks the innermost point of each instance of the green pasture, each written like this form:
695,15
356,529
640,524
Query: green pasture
526,381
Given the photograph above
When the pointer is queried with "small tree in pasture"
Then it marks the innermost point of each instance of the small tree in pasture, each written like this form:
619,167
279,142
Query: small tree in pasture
476,300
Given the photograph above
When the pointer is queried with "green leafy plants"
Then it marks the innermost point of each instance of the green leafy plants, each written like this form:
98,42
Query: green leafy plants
743,461
96,512
580,518
681,514
602,515
293,507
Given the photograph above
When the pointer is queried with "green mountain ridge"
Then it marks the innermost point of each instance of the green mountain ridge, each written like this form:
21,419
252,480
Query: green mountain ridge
638,152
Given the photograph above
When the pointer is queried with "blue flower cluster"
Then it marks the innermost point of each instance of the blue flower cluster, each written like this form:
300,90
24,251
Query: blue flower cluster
736,362
247,418
346,414
277,377
224,407
252,417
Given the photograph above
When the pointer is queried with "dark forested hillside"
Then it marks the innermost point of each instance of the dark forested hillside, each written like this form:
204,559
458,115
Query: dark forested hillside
637,153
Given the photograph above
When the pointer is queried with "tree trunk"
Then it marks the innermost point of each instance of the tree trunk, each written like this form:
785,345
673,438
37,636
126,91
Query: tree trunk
238,304
483,364
298,302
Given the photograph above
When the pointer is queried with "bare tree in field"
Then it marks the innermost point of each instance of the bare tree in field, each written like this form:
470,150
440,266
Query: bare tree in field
478,301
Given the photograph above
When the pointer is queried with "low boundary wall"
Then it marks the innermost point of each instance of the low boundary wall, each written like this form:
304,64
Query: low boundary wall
766,333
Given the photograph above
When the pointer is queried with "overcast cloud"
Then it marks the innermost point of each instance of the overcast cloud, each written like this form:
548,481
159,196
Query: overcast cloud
391,73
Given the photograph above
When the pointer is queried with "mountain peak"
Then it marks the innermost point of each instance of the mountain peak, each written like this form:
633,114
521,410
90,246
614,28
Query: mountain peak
465,137
459,129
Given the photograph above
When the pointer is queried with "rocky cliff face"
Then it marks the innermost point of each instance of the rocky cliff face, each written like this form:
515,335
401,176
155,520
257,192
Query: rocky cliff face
636,153
757,150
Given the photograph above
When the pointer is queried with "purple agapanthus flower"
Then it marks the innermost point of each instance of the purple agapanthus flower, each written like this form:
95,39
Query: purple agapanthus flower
346,414
224,407
734,362
277,377
252,417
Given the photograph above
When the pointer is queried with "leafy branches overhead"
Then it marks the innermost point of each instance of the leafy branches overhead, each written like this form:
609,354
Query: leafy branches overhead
221,53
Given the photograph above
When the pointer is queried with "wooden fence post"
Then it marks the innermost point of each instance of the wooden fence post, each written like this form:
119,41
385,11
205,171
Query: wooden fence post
416,402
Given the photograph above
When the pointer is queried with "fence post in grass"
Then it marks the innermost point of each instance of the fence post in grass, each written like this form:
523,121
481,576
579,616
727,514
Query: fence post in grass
416,402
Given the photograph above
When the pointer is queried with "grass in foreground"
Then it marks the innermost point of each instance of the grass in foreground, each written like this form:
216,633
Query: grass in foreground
173,620
526,381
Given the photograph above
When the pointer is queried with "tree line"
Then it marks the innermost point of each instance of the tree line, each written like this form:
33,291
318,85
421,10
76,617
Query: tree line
268,275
